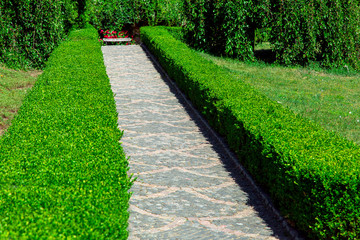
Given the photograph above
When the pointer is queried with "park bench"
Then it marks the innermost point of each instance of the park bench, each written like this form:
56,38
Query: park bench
116,40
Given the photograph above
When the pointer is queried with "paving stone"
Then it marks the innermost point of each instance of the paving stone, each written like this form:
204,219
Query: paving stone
186,187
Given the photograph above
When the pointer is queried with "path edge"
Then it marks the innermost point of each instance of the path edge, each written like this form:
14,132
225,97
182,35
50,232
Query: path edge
263,196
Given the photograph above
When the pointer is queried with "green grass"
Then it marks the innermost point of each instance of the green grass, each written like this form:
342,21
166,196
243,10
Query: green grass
263,46
311,174
13,87
330,99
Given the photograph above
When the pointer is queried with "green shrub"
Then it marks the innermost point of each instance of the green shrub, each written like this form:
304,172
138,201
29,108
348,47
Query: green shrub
30,30
110,14
262,35
311,174
170,12
224,27
176,32
302,31
195,27
317,30
63,172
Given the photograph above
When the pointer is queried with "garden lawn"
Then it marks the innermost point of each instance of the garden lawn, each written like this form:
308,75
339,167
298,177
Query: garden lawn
330,99
13,88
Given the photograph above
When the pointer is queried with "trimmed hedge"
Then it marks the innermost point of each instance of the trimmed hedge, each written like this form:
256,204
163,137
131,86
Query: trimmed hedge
311,174
63,172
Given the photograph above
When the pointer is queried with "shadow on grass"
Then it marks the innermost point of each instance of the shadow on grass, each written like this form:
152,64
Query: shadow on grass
265,55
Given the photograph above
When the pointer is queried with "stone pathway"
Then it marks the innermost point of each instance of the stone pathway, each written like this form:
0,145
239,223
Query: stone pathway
187,186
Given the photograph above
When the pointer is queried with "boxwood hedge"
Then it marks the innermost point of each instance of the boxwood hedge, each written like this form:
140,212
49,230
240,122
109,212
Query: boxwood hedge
63,172
311,174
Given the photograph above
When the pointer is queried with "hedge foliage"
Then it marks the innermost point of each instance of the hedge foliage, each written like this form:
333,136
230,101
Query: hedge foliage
327,31
63,172
224,27
311,174
110,14
30,30
302,31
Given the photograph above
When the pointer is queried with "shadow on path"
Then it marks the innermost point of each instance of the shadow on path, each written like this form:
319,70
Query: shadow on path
256,197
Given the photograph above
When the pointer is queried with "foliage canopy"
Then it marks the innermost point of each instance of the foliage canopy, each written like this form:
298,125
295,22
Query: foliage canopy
301,31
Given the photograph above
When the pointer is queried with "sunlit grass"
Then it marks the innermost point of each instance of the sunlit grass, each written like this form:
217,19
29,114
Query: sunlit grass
263,46
332,100
13,88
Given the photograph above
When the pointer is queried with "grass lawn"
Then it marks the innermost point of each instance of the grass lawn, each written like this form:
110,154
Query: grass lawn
330,99
13,87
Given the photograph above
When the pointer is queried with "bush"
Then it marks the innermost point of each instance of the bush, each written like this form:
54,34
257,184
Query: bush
30,30
318,30
311,174
302,31
224,27
63,170
110,14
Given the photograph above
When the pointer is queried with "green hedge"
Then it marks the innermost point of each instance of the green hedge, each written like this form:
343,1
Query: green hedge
224,27
301,31
327,31
311,174
63,172
31,30
114,14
